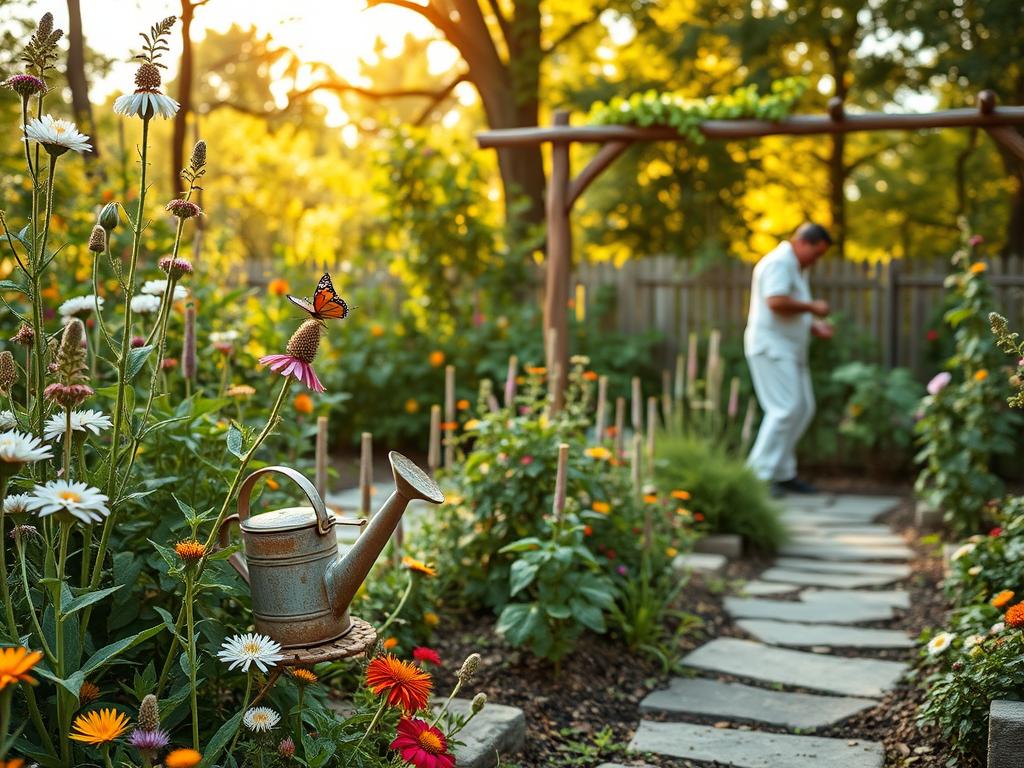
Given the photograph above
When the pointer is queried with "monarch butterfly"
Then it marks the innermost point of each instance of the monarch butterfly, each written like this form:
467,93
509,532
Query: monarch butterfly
326,303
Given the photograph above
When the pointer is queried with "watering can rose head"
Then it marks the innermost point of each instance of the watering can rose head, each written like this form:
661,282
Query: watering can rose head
301,588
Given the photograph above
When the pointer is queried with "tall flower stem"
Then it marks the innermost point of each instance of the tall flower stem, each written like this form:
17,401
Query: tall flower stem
190,626
214,531
37,304
5,592
372,725
122,363
5,719
58,615
398,609
245,705
20,547
67,444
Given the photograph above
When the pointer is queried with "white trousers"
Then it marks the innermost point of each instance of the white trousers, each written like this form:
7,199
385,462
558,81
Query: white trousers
786,397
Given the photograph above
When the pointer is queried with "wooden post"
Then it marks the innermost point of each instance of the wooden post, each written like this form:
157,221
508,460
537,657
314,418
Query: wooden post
321,456
666,396
892,303
602,409
510,381
365,473
559,261
434,444
449,416
691,366
620,425
558,504
680,382
733,409
652,428
635,463
747,431
637,404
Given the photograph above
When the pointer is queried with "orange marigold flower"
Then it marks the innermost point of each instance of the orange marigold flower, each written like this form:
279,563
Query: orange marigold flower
376,330
391,642
183,758
303,404
305,676
536,370
681,495
190,550
612,431
1002,598
590,376
436,358
272,484
278,286
462,405
411,406
601,506
698,517
598,452
1015,615
650,498
405,685
671,551
978,267
449,425
15,664
88,693
14,762
100,727
431,619
980,375
418,566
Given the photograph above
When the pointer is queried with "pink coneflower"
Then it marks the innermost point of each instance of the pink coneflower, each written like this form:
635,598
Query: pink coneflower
428,655
25,85
175,267
526,460
299,354
939,382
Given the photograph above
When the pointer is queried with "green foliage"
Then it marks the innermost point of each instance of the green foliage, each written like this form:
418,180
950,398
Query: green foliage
723,490
879,417
963,424
686,114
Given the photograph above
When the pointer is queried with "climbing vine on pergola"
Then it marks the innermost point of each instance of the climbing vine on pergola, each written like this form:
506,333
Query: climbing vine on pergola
564,189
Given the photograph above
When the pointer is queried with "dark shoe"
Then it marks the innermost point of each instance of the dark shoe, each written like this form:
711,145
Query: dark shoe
776,490
796,485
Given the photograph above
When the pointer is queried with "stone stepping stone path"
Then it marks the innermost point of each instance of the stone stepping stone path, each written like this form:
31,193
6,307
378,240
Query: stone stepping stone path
844,568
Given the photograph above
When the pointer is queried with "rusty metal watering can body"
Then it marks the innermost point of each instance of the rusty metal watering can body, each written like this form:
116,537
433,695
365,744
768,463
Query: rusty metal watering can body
301,588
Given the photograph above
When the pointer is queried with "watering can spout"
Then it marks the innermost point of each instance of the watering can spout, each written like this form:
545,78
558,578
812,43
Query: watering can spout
347,574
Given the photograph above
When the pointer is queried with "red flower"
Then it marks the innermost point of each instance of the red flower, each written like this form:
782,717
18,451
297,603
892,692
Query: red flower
932,335
526,461
698,516
995,531
422,745
426,654
407,686
587,530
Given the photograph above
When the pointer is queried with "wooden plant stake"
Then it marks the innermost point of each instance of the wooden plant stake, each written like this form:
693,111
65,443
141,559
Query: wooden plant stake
449,416
365,473
321,456
747,430
558,505
666,396
652,428
733,408
434,444
620,426
680,380
637,406
635,464
510,381
601,417
691,366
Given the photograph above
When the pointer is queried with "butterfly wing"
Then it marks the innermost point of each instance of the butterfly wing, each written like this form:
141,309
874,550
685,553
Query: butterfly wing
302,304
327,304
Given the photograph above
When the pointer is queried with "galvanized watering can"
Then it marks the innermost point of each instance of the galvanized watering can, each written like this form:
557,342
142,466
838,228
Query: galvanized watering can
301,588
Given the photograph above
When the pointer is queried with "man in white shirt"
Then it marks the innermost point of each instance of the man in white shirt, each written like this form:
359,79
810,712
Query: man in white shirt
781,320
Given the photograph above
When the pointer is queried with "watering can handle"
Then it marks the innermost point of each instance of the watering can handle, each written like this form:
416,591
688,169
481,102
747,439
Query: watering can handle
236,560
324,521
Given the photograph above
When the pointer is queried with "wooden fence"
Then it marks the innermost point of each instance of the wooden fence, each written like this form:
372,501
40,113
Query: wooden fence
895,304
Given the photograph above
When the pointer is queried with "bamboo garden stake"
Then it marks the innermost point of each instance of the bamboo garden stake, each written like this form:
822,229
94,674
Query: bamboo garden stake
601,417
449,416
434,443
666,396
637,406
558,505
321,456
510,381
365,473
620,426
652,428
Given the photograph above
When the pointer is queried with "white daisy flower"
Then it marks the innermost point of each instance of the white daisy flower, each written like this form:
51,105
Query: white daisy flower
57,136
157,288
145,304
223,337
17,504
972,641
145,103
19,448
974,570
7,420
966,549
81,421
996,628
939,643
79,305
261,719
246,650
77,499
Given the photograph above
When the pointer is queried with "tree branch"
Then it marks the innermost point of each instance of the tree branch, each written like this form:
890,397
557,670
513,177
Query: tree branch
506,32
445,25
439,97
337,86
570,33
871,156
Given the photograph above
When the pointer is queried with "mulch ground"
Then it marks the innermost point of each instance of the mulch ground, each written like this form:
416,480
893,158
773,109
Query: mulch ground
585,712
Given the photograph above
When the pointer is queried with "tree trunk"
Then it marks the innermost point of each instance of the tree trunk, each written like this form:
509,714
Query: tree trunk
184,91
80,105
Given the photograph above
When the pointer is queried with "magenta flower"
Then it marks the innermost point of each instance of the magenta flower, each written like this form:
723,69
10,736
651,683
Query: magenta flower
298,358
976,240
939,382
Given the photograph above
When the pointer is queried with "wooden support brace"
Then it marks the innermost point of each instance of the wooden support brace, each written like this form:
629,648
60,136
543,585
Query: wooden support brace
605,156
1010,138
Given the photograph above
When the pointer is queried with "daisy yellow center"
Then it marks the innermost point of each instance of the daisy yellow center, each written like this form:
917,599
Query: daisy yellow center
59,129
251,648
431,742
70,496
260,718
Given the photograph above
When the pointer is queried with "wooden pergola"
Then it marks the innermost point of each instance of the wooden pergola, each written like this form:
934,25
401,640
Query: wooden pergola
564,189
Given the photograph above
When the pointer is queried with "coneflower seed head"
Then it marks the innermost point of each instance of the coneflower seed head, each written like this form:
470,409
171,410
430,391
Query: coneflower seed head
469,668
8,372
198,160
98,239
25,335
148,77
149,713
305,341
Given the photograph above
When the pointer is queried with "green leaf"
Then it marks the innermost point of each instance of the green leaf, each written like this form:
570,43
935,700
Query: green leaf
521,575
234,439
220,740
88,599
513,622
587,614
10,285
136,359
108,652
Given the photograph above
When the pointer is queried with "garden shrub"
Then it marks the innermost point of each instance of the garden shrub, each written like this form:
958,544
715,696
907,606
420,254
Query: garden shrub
725,494
963,422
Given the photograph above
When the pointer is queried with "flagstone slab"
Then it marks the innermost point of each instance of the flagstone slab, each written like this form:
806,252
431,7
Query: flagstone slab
849,539
831,635
752,749
829,551
831,612
839,580
899,570
818,672
706,563
895,598
744,703
763,588
870,529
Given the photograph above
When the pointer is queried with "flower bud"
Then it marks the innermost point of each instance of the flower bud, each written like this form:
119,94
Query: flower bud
25,335
98,239
149,713
8,373
109,217
198,160
469,668
286,748
478,702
